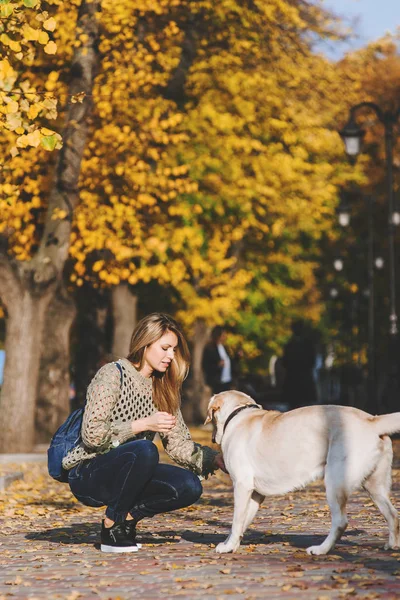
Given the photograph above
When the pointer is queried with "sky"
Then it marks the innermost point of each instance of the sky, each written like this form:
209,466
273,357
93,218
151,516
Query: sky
371,19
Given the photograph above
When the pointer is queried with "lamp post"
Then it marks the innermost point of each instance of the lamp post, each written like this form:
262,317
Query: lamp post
371,310
352,135
344,217
344,210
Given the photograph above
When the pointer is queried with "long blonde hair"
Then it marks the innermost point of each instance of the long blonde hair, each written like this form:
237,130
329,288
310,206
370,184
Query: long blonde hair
166,386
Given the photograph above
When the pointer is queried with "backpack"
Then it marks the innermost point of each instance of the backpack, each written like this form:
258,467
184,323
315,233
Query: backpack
67,436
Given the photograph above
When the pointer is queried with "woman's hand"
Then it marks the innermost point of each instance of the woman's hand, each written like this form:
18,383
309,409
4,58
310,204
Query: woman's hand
219,463
161,422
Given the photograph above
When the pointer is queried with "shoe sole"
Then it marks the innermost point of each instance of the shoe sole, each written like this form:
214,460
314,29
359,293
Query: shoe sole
105,548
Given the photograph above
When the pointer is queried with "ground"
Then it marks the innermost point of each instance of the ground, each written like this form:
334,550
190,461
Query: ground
49,547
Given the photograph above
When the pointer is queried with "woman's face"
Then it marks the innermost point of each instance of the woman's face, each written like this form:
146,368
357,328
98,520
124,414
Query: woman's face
159,355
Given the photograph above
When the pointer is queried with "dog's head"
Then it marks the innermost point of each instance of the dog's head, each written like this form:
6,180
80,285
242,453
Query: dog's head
221,406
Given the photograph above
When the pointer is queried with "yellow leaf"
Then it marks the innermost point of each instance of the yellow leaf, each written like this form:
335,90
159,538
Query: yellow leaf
29,33
50,24
6,69
58,213
12,107
98,265
14,122
50,48
43,37
33,138
78,98
15,46
45,131
34,110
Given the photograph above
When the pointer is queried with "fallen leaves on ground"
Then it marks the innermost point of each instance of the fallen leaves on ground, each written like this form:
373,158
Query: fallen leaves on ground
50,545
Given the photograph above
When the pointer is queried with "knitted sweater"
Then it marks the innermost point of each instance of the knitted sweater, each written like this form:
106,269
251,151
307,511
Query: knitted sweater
112,405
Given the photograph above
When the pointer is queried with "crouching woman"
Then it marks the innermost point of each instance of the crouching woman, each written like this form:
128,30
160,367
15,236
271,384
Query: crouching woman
117,464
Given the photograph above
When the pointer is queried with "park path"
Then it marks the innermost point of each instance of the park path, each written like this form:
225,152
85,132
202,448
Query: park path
49,547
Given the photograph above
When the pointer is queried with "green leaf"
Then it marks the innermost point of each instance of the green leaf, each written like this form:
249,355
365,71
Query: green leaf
6,11
48,142
5,1
30,3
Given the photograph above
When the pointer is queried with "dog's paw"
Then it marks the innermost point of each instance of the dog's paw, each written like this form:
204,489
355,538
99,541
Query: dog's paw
224,547
315,550
390,546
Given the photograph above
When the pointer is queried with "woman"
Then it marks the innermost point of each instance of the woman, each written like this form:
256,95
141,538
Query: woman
117,465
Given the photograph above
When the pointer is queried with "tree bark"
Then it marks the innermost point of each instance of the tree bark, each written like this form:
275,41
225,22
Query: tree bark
53,397
124,309
25,316
26,288
196,392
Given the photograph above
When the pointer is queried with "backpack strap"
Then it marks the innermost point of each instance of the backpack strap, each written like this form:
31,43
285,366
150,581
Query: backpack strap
120,371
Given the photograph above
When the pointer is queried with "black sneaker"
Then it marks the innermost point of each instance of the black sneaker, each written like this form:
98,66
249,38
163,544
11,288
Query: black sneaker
115,539
130,528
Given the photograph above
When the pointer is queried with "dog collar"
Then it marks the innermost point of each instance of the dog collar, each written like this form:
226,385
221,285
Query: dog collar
236,412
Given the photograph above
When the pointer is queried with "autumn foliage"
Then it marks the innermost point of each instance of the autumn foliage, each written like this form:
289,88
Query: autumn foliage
213,162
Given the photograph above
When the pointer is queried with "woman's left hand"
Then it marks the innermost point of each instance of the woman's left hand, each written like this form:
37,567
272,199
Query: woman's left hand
219,463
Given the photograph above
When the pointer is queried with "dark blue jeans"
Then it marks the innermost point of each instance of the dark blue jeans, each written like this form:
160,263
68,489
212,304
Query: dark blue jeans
130,479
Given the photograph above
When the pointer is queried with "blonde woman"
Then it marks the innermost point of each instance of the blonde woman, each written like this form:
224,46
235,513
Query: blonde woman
117,464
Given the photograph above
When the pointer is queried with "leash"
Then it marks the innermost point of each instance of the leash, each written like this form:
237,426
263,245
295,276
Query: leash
236,412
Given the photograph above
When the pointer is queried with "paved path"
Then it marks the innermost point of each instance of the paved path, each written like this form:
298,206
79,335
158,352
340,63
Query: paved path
49,548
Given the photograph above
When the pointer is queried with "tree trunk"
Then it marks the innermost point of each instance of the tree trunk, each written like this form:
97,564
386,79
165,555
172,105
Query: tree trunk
24,325
196,393
53,397
124,309
26,288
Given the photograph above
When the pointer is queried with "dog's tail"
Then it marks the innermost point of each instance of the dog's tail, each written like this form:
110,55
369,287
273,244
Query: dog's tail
387,424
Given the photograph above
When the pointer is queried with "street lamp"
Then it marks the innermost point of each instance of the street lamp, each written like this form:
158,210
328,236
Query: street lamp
352,135
333,292
379,262
343,210
338,264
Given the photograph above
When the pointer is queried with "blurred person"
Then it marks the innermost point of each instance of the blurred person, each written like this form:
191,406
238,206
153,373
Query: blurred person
117,464
298,359
276,371
218,366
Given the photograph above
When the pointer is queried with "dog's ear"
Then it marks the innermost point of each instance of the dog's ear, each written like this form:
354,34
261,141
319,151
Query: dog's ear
210,414
208,418
210,411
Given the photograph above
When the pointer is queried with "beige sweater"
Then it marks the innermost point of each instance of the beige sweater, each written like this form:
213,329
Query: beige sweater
112,405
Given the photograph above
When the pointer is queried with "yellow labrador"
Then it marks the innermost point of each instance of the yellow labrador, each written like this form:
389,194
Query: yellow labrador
268,452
